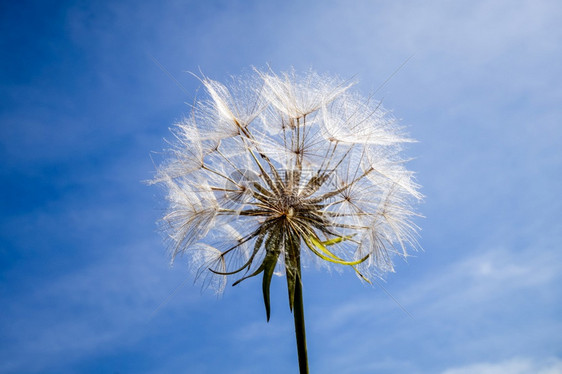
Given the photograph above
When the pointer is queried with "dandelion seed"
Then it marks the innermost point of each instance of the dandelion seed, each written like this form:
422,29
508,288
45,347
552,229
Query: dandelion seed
277,169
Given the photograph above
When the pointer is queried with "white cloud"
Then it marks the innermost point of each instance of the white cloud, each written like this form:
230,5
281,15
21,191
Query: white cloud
484,277
513,366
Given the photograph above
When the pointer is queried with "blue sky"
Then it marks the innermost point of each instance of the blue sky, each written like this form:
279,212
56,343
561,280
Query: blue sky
84,276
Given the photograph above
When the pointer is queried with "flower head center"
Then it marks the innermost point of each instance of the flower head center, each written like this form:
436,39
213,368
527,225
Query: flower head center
287,205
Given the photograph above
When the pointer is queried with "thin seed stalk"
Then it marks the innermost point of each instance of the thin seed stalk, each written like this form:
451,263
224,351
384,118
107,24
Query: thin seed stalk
298,314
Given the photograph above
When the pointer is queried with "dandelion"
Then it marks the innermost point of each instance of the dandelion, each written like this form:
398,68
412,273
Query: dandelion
273,170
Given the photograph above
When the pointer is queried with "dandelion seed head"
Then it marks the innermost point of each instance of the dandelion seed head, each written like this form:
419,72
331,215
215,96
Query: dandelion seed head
272,168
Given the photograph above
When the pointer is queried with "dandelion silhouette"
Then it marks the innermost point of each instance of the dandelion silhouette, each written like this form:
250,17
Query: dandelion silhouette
276,169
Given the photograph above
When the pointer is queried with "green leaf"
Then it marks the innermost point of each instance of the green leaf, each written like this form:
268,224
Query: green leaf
336,240
269,266
291,266
362,276
260,233
269,262
329,256
258,270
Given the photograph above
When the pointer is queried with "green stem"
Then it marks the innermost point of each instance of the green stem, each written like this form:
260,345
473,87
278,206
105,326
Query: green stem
298,313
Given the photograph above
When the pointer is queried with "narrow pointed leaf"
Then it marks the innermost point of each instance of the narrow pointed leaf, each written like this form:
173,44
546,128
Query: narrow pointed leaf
272,243
311,243
291,267
339,239
269,267
260,233
362,276
258,270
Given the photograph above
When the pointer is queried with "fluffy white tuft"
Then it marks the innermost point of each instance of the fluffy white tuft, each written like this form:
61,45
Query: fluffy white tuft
293,160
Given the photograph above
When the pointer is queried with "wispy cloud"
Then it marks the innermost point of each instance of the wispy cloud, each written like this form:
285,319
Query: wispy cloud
486,276
498,303
513,366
